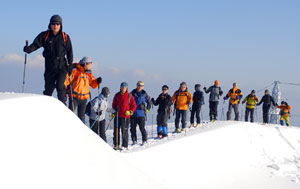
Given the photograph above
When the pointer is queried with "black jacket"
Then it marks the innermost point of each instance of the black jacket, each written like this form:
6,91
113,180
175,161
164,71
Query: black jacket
198,98
267,100
55,50
164,102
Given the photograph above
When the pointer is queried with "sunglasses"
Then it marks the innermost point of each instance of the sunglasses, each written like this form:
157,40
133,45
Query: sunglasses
164,89
55,23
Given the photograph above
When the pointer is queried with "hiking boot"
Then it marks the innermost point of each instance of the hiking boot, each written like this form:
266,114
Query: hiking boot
134,142
164,136
144,143
124,148
177,130
183,129
198,125
192,125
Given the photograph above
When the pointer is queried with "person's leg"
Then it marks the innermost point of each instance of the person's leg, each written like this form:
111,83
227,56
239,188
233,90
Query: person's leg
50,78
95,127
116,134
165,131
60,87
252,115
215,110
101,129
133,124
267,113
73,104
192,115
124,128
198,115
211,110
81,109
229,111
141,122
282,121
183,119
177,119
246,114
236,112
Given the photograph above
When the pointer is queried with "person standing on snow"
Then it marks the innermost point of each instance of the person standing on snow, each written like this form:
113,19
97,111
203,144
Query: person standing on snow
215,93
267,99
198,101
164,102
251,100
182,99
235,95
284,113
99,107
80,81
139,116
125,105
58,56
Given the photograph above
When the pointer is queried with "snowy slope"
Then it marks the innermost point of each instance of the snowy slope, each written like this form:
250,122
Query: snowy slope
44,145
226,155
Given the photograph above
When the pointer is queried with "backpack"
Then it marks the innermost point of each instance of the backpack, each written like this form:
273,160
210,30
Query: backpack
89,106
65,36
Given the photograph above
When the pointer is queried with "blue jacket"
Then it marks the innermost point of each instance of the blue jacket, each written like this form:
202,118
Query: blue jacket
142,101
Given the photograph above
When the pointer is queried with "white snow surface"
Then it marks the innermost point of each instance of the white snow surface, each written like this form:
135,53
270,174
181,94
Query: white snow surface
44,145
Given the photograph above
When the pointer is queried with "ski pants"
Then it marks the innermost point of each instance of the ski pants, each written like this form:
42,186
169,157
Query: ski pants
236,111
99,128
80,105
251,112
182,114
213,110
55,79
162,118
162,131
134,121
123,125
285,119
266,109
195,111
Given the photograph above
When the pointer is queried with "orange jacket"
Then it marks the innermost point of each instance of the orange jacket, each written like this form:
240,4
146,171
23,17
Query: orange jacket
183,99
284,111
235,95
80,82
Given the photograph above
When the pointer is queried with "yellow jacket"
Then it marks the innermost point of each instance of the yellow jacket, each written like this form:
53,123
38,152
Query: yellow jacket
80,82
235,95
251,101
183,99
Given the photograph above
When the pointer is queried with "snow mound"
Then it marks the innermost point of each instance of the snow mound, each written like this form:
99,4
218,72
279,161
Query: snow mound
44,145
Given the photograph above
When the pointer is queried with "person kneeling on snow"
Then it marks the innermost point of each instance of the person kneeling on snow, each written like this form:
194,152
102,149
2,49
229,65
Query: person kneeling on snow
198,101
99,107
79,82
164,102
124,105
182,99
284,113
251,100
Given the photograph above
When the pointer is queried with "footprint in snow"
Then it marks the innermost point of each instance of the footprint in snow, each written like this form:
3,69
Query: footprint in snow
274,166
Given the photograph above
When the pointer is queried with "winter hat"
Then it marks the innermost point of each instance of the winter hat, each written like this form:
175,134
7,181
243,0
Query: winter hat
124,84
84,60
266,91
234,84
56,19
140,83
183,83
105,92
253,91
197,87
217,82
165,86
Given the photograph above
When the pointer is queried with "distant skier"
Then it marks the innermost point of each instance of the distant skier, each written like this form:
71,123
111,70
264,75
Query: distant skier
284,113
143,104
58,56
80,81
182,99
99,107
267,99
125,105
235,95
251,100
198,101
215,93
164,102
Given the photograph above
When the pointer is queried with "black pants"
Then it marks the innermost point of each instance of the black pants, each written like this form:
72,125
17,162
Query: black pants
195,111
236,111
123,125
162,118
213,110
251,111
134,121
266,109
80,105
99,128
182,114
55,79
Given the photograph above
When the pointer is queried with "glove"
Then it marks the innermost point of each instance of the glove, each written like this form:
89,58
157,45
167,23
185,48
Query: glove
224,98
152,100
99,80
99,113
146,111
112,116
26,49
243,102
128,113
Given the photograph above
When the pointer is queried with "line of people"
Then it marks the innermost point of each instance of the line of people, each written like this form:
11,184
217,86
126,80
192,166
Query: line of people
131,108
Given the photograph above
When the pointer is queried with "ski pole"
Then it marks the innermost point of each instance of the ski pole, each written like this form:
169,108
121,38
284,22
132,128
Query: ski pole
71,92
25,61
109,124
117,128
152,126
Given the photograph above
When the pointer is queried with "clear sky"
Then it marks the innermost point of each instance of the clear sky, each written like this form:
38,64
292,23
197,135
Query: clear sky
161,42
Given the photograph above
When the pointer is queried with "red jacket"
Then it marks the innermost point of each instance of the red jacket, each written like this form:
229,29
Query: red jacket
121,104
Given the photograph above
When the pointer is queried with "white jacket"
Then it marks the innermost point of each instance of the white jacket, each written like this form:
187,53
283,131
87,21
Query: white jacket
104,107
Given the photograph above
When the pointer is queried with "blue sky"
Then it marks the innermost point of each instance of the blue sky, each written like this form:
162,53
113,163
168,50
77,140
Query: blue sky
161,42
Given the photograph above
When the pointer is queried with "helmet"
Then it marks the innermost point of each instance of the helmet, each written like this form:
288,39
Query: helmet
105,92
140,83
124,84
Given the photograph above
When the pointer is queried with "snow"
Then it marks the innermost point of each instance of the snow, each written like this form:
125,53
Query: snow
44,145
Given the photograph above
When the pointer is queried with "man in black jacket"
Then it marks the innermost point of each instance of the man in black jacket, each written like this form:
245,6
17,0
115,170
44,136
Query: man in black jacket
58,56
164,101
267,99
198,101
